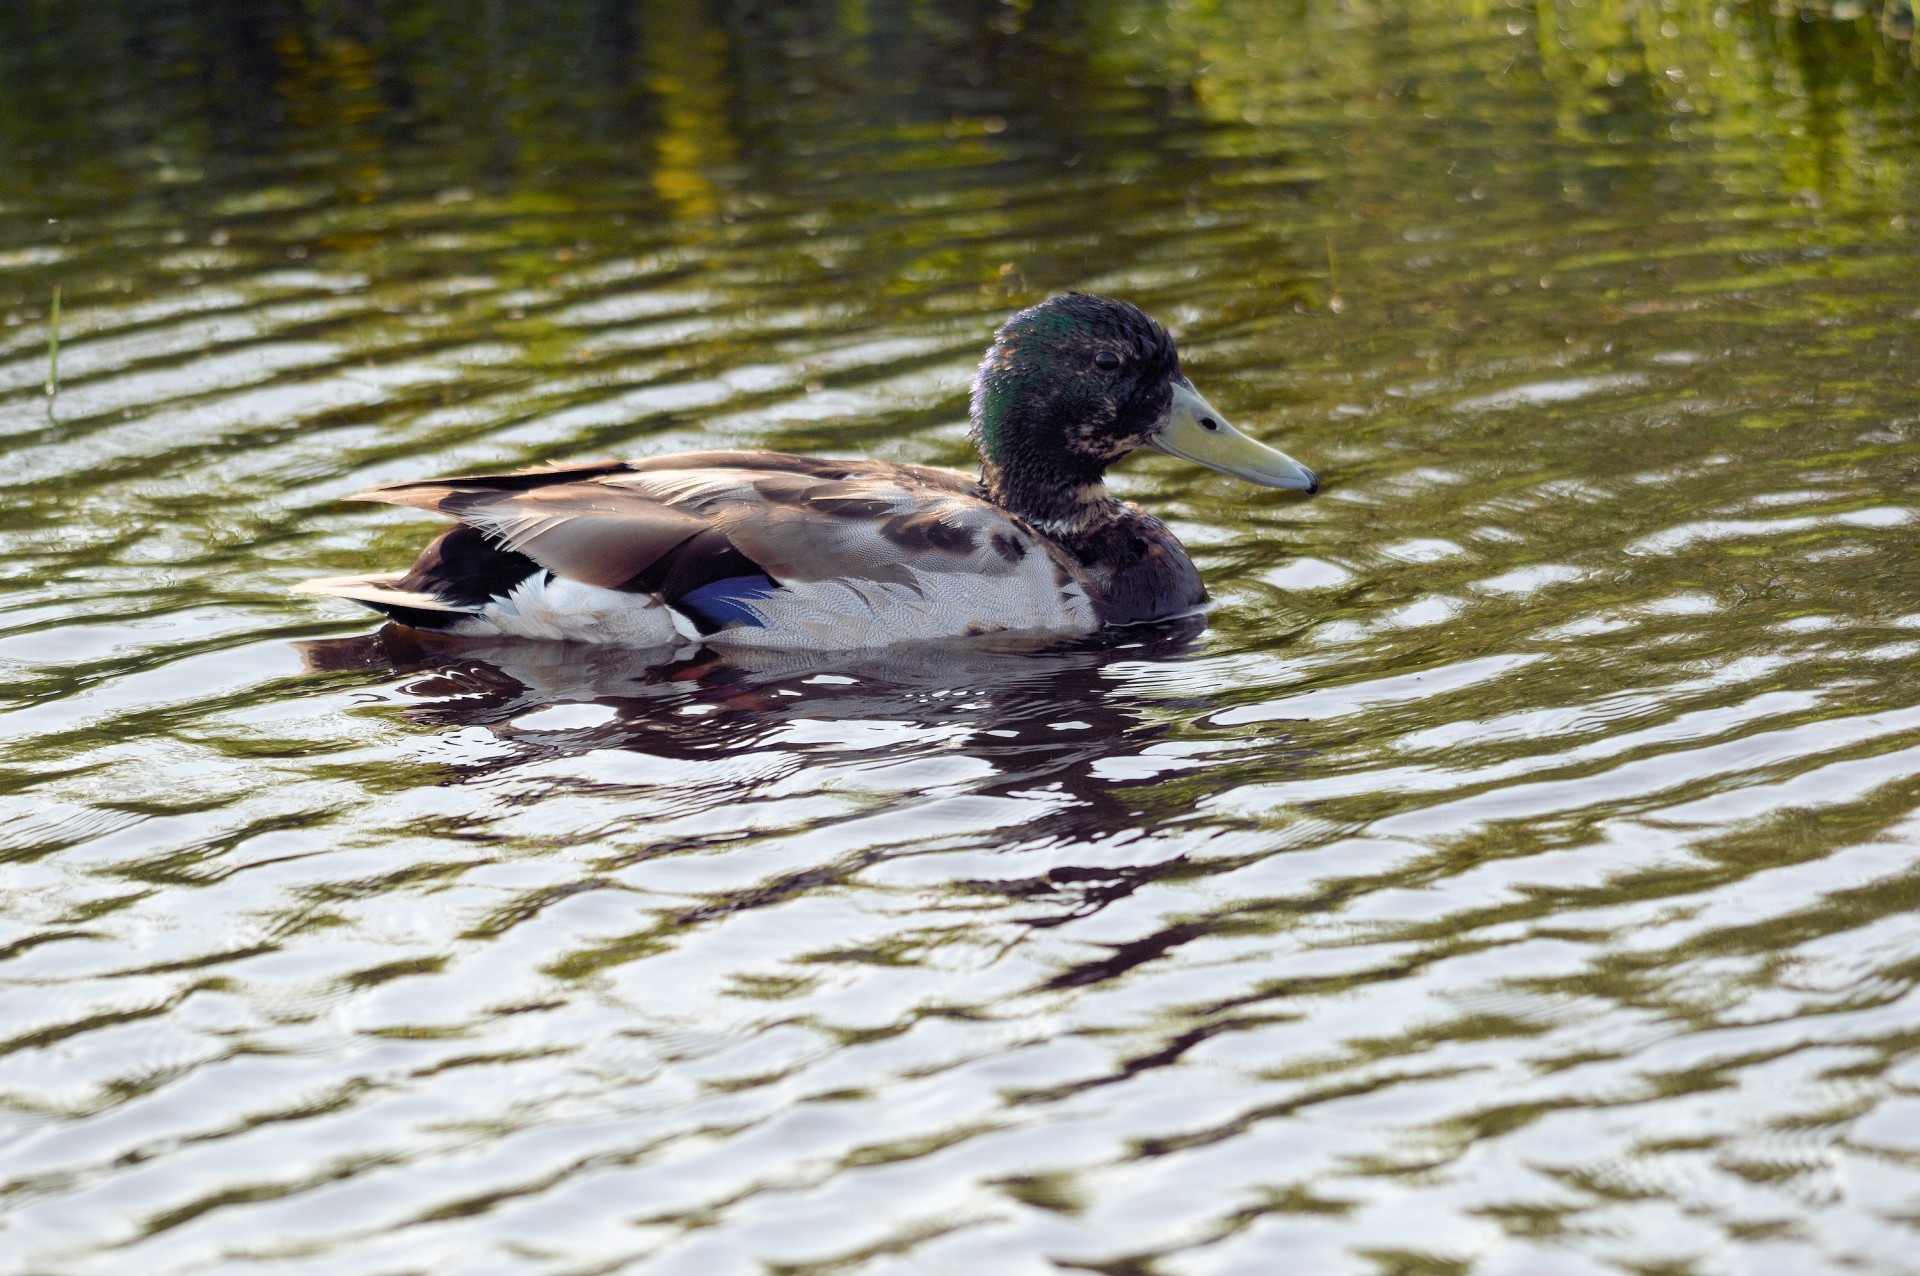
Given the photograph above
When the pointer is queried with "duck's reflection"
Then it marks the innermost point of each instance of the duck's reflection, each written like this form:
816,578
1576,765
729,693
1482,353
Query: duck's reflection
1038,716
1073,721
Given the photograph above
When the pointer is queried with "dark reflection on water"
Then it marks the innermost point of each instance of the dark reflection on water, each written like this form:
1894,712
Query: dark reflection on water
1516,874
1033,716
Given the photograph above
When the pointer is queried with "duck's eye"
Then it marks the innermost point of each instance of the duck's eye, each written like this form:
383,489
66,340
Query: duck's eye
1106,361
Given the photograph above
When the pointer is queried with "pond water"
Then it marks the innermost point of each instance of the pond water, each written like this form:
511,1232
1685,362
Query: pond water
1515,874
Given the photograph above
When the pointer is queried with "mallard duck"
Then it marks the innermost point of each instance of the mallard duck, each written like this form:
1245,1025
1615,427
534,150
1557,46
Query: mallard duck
762,549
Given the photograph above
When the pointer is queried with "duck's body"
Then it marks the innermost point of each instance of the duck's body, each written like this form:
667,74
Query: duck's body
763,549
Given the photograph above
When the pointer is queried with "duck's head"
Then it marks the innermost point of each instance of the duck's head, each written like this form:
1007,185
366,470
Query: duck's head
1076,383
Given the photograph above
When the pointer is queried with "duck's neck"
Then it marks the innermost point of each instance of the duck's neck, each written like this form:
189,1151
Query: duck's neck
1056,503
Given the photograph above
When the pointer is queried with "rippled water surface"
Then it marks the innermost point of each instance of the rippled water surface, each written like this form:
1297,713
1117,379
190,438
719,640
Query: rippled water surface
1515,874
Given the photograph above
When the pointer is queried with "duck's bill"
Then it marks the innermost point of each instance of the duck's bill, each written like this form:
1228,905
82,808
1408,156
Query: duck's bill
1195,431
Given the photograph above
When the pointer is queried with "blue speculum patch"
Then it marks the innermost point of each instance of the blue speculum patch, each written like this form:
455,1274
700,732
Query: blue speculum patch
721,603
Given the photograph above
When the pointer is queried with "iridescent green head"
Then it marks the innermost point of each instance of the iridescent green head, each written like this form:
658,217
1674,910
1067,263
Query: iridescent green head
1076,383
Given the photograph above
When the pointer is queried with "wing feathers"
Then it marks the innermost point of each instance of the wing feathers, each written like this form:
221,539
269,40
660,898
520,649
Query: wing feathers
431,494
599,535
377,588
701,559
670,525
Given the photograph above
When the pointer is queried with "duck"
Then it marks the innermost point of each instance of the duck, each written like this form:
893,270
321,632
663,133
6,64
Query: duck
763,549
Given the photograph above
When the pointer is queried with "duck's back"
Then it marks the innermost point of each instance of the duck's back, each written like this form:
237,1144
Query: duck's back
744,548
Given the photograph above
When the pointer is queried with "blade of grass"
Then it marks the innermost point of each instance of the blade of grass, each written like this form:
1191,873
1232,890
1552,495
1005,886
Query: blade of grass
53,346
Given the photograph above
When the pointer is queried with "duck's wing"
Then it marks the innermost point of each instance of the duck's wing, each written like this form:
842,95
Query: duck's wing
759,540
566,520
626,525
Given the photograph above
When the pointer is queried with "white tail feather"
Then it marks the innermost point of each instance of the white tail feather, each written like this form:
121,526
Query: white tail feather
377,589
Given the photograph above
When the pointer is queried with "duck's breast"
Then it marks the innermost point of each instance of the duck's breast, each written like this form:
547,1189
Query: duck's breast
1135,570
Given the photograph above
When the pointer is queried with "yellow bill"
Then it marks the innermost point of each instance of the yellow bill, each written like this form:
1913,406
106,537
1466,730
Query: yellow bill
1195,431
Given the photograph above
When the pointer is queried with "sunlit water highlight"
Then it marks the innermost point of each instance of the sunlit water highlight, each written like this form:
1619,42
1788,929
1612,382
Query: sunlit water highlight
1516,873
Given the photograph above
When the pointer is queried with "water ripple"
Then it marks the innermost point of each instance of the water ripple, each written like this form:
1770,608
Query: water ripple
1513,873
